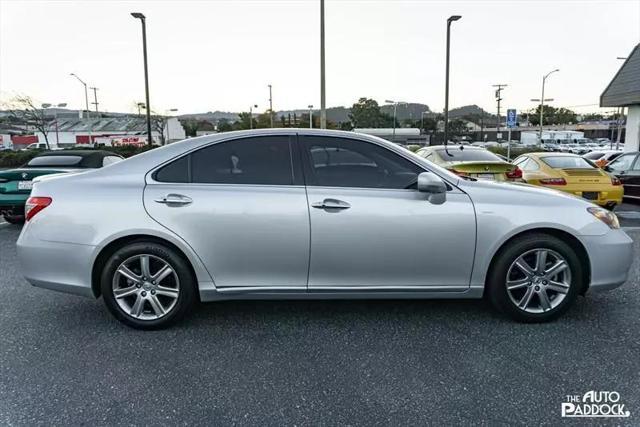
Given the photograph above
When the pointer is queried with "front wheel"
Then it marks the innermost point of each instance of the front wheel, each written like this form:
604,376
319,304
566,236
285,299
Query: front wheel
536,278
147,285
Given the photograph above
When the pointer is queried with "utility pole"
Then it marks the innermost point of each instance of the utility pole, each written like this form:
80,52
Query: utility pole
451,19
143,22
95,97
270,106
323,105
619,122
498,99
542,100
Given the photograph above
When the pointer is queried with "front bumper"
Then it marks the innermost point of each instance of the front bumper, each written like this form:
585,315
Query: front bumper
611,256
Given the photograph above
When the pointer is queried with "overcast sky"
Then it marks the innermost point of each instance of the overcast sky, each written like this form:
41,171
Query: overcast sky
221,55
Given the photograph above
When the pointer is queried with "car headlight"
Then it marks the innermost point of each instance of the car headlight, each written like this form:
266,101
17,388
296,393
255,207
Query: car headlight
605,216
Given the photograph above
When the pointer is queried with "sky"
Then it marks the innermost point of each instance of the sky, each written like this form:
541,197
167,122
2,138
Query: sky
221,55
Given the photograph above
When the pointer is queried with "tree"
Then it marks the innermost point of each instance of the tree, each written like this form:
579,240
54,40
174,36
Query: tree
22,109
552,115
159,124
458,127
366,114
190,126
224,125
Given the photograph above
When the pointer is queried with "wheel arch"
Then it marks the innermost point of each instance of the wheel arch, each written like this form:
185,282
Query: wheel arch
565,236
120,242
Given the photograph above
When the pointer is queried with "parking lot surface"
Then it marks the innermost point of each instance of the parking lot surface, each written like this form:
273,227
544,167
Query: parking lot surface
65,360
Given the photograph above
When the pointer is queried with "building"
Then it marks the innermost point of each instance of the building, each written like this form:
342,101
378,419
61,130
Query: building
69,132
403,136
624,91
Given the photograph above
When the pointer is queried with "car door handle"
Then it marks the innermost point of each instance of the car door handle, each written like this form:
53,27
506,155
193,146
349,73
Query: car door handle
331,204
175,199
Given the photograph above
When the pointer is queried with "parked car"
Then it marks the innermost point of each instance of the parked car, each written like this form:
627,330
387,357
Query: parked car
16,184
572,174
602,157
298,214
471,161
626,168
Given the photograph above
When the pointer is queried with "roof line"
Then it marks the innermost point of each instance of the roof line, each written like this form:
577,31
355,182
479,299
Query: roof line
619,70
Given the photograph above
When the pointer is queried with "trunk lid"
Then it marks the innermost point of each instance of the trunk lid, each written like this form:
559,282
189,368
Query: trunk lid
19,180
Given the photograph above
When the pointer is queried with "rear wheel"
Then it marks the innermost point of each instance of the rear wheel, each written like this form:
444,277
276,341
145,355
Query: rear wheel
536,278
14,219
147,285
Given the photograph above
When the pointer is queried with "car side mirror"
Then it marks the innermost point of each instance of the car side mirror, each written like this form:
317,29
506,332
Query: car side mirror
434,186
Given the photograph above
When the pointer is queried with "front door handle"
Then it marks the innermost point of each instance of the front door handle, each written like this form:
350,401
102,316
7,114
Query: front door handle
331,204
175,200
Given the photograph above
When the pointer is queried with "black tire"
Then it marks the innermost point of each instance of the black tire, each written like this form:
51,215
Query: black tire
497,278
14,219
160,253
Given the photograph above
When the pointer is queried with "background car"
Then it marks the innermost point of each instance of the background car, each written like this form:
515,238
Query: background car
572,174
601,158
471,161
16,184
627,169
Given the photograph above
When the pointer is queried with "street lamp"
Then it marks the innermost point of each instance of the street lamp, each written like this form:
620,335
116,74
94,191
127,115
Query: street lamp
55,117
395,110
143,21
86,95
446,84
542,100
323,105
251,115
310,116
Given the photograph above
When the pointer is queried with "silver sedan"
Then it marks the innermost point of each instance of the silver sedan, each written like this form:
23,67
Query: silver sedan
286,213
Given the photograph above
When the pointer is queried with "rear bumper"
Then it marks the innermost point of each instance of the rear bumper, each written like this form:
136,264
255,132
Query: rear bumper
13,204
611,256
64,267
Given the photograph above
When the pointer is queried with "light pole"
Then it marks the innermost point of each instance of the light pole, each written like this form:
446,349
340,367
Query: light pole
251,107
323,105
395,111
422,113
86,104
270,106
55,117
143,21
310,116
446,84
542,100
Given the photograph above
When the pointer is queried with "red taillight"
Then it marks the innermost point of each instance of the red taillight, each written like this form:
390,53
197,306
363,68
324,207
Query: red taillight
458,172
615,181
35,205
553,181
514,174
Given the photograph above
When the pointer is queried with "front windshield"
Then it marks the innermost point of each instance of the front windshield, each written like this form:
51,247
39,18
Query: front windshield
567,162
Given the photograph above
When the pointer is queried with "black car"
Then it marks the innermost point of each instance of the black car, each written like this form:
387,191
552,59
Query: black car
627,169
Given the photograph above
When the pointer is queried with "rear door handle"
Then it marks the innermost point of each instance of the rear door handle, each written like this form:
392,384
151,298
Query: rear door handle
175,200
331,204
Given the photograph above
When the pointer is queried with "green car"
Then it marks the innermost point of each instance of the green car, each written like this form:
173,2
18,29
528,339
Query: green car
474,162
16,184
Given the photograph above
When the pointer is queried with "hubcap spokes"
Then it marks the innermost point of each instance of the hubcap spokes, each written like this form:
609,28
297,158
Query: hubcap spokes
146,287
538,280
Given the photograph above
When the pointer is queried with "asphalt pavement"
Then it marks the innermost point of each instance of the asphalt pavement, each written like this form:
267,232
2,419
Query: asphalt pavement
65,360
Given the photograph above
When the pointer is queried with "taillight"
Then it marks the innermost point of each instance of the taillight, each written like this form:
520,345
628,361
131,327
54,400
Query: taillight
615,181
514,174
553,181
458,172
35,205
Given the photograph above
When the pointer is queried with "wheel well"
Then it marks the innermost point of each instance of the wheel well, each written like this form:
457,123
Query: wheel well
568,238
108,250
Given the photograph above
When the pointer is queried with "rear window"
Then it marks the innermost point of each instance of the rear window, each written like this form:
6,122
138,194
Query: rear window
467,155
43,161
594,155
567,162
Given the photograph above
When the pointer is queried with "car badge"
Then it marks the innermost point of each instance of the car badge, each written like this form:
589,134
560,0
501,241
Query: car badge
24,175
486,168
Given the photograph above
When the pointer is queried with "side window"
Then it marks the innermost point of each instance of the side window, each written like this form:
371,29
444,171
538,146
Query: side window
259,160
176,171
521,162
341,162
531,165
622,163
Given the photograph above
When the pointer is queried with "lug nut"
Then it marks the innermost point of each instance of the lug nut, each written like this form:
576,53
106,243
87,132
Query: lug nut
138,285
153,292
144,294
153,282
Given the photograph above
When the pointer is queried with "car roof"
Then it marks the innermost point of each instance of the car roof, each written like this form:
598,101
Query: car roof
80,153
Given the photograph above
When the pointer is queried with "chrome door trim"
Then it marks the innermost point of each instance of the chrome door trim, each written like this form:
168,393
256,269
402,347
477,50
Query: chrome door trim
408,289
245,289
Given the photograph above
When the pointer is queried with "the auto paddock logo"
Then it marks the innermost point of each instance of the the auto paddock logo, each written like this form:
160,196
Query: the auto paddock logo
594,404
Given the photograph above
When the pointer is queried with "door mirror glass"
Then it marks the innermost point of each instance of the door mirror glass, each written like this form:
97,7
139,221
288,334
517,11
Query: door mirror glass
434,186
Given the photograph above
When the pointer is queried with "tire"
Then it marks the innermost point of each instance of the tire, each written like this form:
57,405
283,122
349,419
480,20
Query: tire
14,219
142,302
560,285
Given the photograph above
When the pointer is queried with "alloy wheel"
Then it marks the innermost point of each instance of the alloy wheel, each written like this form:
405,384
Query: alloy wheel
146,287
538,280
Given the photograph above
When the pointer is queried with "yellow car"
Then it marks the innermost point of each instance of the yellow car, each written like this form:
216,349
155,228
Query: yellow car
572,174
